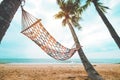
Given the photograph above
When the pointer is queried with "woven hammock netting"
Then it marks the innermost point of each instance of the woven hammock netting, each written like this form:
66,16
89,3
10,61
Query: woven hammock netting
33,29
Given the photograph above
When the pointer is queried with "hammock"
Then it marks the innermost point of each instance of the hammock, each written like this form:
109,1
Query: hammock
33,29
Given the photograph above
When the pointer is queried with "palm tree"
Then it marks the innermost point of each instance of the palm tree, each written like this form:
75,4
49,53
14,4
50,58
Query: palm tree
101,10
70,13
8,9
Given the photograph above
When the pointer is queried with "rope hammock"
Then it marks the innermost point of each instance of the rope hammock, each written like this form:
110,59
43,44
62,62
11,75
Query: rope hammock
33,29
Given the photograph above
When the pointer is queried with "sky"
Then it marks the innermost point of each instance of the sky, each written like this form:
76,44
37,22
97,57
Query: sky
94,36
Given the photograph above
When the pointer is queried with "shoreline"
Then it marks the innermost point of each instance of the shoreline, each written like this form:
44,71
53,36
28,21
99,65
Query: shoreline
52,63
56,71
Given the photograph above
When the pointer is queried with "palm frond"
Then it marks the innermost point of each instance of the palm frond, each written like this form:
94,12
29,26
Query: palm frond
75,21
70,11
73,7
84,7
103,8
61,3
64,22
80,10
59,15
77,25
88,2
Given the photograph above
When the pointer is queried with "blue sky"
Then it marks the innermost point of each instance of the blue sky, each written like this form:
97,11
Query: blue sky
94,36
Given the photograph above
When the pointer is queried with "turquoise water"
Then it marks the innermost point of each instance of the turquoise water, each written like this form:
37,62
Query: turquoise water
52,61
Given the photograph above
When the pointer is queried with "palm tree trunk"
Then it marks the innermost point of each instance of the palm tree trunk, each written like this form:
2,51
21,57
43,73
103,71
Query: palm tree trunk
108,25
92,73
8,9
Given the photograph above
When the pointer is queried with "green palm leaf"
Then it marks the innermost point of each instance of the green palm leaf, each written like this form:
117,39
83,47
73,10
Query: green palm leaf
70,11
99,4
59,15
103,8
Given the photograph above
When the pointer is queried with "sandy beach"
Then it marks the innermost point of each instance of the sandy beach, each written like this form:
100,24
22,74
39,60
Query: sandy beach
55,71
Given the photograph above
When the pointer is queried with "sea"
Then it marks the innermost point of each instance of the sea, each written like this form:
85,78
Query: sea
53,61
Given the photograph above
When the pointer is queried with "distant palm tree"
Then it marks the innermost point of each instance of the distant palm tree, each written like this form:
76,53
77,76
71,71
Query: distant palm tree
8,9
101,10
70,13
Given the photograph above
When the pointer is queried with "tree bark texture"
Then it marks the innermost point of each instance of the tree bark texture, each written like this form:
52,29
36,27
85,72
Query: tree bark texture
92,73
8,9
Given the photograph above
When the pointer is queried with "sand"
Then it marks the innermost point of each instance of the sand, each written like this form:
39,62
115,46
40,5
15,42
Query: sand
56,71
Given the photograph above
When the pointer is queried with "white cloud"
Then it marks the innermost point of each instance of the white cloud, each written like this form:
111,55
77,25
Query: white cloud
113,3
1,1
104,54
94,32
